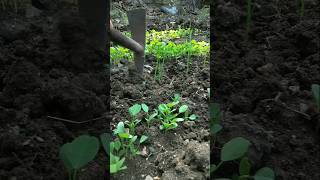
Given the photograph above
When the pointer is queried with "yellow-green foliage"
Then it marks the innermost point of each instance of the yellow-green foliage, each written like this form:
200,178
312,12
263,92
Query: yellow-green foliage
13,5
161,45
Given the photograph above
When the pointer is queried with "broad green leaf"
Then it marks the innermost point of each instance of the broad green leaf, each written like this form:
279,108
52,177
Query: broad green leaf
244,166
143,138
265,173
79,152
105,139
216,128
223,179
135,109
145,108
234,149
316,93
183,108
193,117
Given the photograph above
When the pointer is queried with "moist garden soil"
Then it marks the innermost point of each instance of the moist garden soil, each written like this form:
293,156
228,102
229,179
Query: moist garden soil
264,85
47,69
182,153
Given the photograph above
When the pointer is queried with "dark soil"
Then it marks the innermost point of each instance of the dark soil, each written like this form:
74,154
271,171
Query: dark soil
47,69
263,84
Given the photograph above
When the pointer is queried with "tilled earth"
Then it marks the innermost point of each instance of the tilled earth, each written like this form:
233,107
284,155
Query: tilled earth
182,153
263,84
47,69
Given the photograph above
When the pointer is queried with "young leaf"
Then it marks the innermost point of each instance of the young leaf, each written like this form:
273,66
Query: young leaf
265,173
143,138
183,108
244,166
120,128
105,139
193,117
179,119
145,108
135,109
215,128
79,152
234,149
316,93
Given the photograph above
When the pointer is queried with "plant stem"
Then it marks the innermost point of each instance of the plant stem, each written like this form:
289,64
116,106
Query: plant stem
249,16
75,174
301,8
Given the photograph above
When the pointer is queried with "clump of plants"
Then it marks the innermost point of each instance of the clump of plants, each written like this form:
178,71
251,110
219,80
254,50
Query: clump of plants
170,114
235,150
123,143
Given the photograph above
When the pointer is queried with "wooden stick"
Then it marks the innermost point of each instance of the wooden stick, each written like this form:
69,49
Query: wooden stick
76,122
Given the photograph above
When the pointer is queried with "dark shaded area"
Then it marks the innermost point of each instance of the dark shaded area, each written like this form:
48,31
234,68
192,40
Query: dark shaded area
48,67
264,84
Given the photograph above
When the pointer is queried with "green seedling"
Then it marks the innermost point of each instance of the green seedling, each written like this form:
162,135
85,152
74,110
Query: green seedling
236,149
116,163
78,153
170,115
315,88
126,141
134,111
151,118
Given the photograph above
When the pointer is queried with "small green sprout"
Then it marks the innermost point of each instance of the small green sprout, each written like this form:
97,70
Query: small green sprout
126,141
78,153
315,88
150,118
170,115
236,149
134,111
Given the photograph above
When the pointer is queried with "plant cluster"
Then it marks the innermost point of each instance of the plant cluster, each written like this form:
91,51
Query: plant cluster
124,142
160,45
235,150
